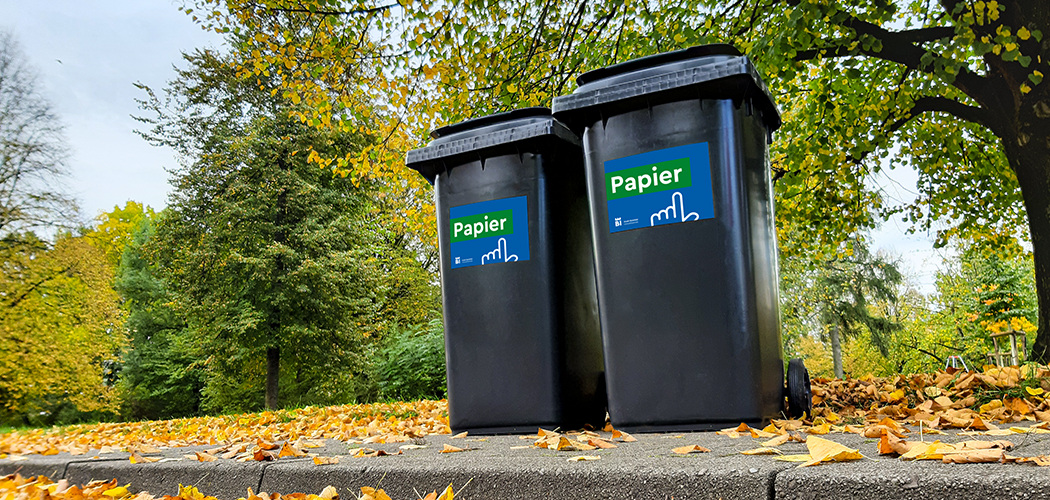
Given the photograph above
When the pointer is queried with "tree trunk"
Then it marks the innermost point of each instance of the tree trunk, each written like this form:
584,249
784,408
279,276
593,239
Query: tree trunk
836,350
1032,166
273,371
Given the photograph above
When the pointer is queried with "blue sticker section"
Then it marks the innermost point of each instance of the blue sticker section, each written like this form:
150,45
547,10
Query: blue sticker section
513,247
672,204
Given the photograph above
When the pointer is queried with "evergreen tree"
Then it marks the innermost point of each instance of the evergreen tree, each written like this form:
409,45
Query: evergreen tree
159,377
268,256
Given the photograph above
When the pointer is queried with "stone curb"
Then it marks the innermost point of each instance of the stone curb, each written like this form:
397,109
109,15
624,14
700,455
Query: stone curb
504,467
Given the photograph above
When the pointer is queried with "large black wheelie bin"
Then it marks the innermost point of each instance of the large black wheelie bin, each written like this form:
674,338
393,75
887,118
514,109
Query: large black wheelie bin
676,150
522,338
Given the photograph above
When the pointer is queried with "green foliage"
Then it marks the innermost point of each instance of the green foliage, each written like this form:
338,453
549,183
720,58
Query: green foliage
261,249
411,363
60,327
159,378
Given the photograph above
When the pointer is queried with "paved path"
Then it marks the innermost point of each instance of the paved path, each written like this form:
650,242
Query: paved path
501,467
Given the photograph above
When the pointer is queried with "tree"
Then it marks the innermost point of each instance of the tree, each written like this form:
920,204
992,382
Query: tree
160,376
264,252
953,89
114,230
840,298
32,151
60,329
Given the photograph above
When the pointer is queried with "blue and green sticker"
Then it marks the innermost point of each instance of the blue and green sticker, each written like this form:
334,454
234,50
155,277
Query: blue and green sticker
667,186
489,232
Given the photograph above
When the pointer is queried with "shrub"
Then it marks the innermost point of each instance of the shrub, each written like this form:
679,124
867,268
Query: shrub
411,364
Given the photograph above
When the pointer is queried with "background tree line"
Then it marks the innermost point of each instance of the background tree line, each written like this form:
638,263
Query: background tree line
266,281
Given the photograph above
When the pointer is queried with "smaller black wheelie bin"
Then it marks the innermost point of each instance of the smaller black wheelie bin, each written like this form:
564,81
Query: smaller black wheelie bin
522,338
676,149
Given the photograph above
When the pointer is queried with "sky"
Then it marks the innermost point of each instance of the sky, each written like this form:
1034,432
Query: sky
89,54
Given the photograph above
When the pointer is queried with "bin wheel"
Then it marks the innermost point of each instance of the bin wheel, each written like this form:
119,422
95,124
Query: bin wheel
800,396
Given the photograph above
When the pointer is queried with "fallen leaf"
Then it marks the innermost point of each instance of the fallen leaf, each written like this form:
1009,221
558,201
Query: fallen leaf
452,449
263,455
118,492
694,448
287,450
266,445
600,443
371,453
205,457
762,451
793,458
777,441
329,493
819,429
369,493
135,458
326,460
412,446
1041,460
463,434
584,458
447,495
623,436
889,444
823,450
974,456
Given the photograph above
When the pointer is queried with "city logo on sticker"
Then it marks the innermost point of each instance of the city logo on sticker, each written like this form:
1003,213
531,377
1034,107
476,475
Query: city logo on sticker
667,186
489,232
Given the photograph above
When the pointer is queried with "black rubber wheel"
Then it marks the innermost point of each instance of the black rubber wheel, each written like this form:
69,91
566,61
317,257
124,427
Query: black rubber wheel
800,396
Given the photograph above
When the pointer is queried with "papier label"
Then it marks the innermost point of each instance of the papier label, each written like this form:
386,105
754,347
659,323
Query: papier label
667,186
489,232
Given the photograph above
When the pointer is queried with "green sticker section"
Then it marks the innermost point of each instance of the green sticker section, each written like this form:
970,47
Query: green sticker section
652,178
500,223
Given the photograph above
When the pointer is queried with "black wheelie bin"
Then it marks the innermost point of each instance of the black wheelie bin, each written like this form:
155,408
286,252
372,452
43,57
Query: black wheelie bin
676,152
522,338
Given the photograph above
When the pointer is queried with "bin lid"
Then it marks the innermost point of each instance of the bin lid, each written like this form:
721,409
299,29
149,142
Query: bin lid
716,71
487,136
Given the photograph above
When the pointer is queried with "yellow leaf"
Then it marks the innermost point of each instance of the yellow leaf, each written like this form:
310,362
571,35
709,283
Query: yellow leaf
793,458
819,429
682,450
762,451
329,493
326,460
1038,391
823,450
135,458
1024,34
190,493
375,494
452,449
584,458
118,492
447,495
463,434
777,441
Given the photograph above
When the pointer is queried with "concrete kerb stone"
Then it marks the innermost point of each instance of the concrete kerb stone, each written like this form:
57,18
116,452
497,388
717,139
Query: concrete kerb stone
52,466
506,467
222,479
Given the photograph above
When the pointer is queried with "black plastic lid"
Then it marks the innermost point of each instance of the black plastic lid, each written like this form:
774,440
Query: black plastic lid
487,136
655,61
716,71
475,125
